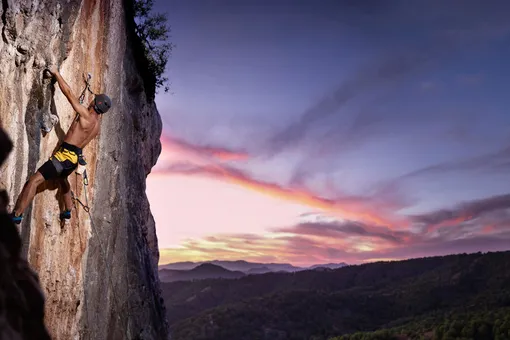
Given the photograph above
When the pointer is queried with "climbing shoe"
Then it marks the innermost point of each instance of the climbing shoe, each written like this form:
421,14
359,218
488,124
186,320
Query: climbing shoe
16,219
65,215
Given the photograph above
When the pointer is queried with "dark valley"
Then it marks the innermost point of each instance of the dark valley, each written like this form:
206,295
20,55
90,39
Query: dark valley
445,297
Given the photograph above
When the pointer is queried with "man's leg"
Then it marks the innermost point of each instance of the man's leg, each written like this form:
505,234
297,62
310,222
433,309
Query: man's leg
45,172
27,194
65,188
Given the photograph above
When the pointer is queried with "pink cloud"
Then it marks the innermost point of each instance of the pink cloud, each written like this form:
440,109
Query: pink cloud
206,209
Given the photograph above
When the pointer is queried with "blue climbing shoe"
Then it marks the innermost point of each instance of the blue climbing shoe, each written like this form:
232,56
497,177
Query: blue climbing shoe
65,215
16,219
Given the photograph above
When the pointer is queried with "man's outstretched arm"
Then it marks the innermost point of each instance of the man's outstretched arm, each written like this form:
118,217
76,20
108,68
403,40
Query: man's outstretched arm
66,90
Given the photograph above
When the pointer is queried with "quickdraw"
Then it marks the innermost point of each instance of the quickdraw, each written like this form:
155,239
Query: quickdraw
87,87
75,199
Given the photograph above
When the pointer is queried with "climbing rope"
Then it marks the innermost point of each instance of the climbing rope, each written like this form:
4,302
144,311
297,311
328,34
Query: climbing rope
86,208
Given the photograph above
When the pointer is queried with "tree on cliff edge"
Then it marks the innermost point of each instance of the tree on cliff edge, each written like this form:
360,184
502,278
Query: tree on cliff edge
153,31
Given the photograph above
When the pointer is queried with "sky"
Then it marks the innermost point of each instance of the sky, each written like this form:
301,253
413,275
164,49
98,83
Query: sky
310,132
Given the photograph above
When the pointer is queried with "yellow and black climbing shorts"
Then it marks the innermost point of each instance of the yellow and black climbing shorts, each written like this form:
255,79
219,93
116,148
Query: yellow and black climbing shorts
62,163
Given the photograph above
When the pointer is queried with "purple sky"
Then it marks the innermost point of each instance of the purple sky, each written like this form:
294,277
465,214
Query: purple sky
400,107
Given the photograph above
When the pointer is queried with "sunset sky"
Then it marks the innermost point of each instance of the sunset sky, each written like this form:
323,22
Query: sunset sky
335,131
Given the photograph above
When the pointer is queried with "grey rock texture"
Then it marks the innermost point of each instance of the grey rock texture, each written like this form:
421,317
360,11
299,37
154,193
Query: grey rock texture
98,272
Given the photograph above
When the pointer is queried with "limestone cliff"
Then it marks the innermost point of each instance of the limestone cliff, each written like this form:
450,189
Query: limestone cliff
99,274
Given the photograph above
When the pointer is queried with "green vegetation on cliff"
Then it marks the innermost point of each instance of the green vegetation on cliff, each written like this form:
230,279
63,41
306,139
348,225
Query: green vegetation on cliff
150,34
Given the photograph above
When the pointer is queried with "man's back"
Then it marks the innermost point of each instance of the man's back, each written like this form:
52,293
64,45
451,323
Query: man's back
81,132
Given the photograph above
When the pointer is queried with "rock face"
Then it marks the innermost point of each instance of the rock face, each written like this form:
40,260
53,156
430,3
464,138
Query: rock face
98,271
21,298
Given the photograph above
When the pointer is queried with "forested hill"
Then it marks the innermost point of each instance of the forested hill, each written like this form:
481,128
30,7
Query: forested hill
321,305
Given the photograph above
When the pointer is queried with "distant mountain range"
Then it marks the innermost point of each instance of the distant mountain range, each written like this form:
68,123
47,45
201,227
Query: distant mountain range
202,271
328,266
189,271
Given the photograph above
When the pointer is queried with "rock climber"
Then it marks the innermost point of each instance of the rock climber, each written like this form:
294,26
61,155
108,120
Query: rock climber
64,161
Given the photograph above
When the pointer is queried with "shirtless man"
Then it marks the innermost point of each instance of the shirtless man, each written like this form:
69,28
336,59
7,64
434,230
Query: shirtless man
65,160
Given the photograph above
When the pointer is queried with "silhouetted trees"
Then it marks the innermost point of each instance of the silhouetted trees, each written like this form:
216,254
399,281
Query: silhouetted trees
152,28
148,33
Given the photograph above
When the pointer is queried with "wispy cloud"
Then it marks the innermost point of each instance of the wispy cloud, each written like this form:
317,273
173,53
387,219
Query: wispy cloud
433,247
463,212
216,152
494,162
367,215
391,69
352,207
346,229
348,241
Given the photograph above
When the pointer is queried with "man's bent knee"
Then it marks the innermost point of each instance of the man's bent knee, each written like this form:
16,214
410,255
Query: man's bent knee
36,179
64,184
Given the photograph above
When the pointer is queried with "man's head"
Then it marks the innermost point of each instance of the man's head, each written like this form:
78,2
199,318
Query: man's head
101,103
